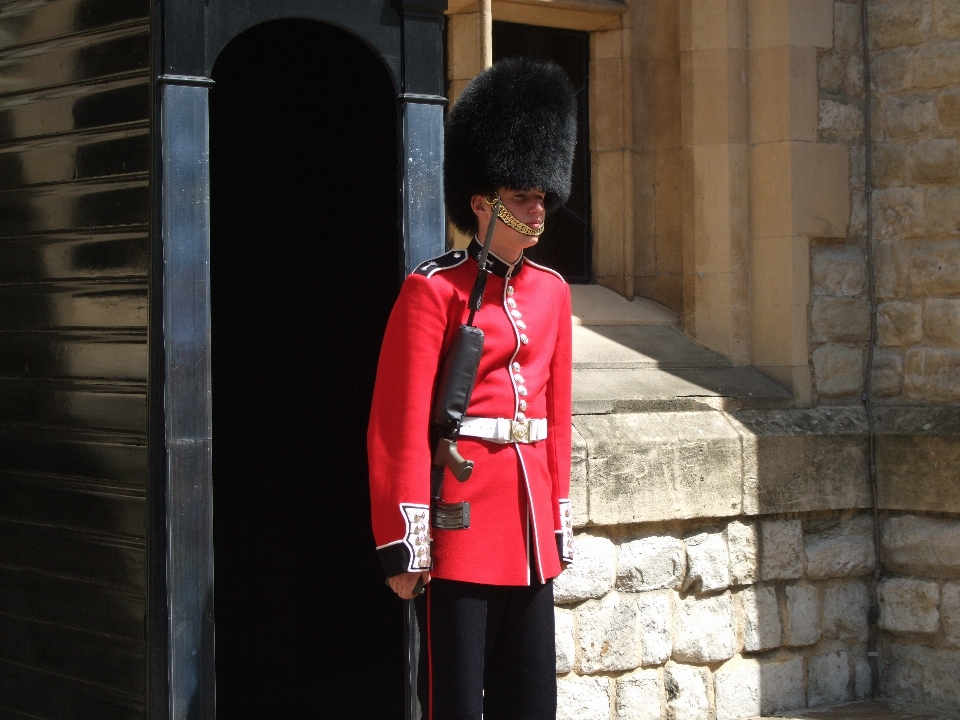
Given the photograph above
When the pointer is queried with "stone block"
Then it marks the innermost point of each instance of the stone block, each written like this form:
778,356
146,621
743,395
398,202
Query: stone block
897,23
908,116
782,85
608,633
578,480
838,271
891,71
659,466
925,443
781,549
845,609
923,675
941,319
651,563
742,549
583,698
760,616
827,679
566,649
948,111
935,162
686,692
936,65
950,614
840,319
737,690
899,323
890,165
839,122
592,575
840,73
892,269
838,370
707,561
656,643
639,696
803,460
803,615
946,19
844,549
887,378
935,268
898,212
820,191
932,375
846,26
703,629
909,606
923,546
782,684
802,22
940,206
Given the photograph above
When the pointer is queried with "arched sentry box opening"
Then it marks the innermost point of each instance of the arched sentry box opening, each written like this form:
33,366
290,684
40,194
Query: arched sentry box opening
305,246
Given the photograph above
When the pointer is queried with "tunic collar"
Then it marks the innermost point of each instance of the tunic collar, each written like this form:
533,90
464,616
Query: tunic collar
498,266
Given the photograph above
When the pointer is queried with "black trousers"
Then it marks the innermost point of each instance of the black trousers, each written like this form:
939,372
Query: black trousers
487,651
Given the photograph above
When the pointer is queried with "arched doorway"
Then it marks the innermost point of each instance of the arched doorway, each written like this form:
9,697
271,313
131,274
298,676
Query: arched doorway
305,258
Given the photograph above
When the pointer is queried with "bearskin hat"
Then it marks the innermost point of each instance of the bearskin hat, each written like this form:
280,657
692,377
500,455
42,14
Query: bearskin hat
514,126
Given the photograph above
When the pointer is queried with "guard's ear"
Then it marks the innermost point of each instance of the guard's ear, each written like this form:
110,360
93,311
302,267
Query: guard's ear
481,206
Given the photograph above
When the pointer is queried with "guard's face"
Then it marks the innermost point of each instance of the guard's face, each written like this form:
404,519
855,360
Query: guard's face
527,206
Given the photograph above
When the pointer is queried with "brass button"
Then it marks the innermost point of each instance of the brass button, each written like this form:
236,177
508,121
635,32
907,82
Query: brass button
521,324
522,390
524,339
519,378
509,289
523,405
516,367
511,303
516,314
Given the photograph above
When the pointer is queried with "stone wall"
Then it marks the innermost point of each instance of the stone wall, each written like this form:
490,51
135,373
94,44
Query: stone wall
726,619
920,609
915,64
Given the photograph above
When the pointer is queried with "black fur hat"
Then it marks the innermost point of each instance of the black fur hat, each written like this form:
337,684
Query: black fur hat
514,126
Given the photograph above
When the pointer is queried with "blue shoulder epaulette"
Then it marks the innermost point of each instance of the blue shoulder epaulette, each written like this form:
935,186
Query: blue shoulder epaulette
443,262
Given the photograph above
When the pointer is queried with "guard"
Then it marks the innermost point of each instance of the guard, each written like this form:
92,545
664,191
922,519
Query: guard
486,618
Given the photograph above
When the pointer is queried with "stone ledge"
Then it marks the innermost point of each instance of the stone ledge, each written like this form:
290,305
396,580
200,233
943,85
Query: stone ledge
656,466
921,442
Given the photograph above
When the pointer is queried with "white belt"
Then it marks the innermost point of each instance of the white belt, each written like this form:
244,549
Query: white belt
502,430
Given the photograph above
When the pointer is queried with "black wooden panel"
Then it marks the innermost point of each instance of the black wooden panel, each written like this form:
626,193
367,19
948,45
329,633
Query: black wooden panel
80,108
90,657
74,255
75,603
63,159
74,305
37,694
82,556
53,355
76,454
75,151
76,59
75,404
68,206
29,21
72,504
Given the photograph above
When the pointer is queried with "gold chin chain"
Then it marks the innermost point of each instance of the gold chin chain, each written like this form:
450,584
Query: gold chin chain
510,220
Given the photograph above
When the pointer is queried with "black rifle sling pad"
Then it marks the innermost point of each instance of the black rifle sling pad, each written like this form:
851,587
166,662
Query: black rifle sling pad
457,377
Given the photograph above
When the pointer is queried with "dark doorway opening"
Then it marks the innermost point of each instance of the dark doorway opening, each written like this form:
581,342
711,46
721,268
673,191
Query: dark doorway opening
305,265
567,241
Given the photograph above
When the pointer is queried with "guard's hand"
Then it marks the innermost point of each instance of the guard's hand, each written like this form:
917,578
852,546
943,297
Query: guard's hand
404,583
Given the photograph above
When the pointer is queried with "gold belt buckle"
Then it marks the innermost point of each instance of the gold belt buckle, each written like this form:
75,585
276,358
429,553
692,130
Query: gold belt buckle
519,431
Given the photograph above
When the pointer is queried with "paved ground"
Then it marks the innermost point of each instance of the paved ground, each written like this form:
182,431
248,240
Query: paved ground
870,711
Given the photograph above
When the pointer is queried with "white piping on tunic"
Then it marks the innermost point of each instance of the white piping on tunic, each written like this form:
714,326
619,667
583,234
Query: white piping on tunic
438,268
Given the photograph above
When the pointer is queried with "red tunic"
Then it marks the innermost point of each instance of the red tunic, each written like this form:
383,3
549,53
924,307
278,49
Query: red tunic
518,493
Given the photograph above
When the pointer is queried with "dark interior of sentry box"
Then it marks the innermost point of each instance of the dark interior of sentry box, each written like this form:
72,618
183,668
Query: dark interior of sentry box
304,269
